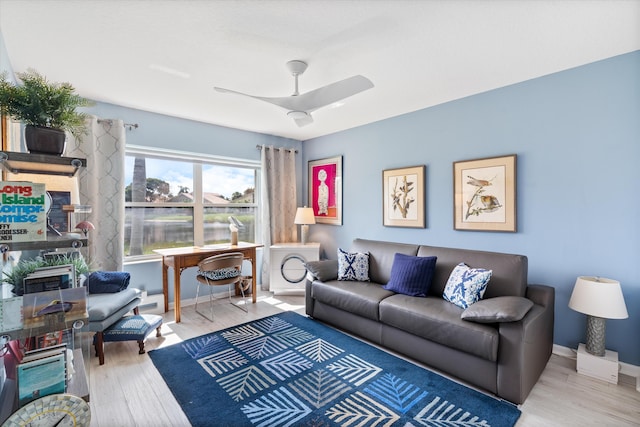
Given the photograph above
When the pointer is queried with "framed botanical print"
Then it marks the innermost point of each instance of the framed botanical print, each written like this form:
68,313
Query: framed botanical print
403,197
325,190
485,194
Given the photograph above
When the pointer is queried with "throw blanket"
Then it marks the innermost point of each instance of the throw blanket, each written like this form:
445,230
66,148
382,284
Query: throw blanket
108,282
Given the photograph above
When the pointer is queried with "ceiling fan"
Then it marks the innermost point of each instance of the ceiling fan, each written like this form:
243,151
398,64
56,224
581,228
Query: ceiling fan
300,106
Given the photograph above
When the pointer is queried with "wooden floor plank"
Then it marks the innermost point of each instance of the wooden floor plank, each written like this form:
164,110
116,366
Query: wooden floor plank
128,391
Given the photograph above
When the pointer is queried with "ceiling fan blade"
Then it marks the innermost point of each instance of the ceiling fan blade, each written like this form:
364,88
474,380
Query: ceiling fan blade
331,93
288,102
304,120
317,98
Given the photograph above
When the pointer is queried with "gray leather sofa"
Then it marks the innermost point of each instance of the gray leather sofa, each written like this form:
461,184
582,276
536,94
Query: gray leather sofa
505,358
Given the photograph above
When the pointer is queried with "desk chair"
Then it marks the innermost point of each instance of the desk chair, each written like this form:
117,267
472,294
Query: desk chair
217,270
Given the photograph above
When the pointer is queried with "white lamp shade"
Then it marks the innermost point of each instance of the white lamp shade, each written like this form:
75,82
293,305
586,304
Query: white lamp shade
599,297
304,216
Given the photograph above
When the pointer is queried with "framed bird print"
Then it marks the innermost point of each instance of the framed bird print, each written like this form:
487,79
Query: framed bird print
403,197
484,196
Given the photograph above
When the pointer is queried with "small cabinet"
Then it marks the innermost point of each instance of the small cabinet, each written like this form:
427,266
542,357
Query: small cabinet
288,271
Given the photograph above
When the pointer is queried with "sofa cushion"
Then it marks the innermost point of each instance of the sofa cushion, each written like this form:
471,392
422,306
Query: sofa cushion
360,298
499,309
381,255
324,270
353,265
466,285
411,275
509,275
101,306
437,320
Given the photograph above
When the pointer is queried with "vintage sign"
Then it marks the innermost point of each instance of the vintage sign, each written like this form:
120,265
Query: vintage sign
23,212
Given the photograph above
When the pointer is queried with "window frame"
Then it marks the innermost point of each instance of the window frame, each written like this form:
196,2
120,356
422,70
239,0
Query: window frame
197,160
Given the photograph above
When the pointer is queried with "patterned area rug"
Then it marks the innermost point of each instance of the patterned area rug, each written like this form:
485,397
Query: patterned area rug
289,370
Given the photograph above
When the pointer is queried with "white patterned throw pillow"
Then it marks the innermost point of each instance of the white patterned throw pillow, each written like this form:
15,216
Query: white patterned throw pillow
466,285
353,266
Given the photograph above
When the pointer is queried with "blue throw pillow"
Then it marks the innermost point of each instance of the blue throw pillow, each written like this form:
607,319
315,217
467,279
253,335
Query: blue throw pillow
353,266
411,275
466,285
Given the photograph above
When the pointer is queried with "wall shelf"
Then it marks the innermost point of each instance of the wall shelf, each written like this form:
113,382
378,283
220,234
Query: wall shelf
53,243
40,163
15,307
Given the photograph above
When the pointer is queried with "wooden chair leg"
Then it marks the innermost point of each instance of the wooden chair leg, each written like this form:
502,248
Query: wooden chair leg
100,347
141,347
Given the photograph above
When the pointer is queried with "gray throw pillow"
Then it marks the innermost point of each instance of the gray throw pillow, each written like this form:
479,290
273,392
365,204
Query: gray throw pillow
324,270
498,309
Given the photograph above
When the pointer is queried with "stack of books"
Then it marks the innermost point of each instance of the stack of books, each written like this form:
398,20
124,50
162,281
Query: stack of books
50,278
37,372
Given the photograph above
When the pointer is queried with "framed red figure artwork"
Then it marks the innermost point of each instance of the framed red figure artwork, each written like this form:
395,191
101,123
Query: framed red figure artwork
325,190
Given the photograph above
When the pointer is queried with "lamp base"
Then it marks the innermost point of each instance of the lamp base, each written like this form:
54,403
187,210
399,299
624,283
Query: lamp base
596,327
603,368
304,233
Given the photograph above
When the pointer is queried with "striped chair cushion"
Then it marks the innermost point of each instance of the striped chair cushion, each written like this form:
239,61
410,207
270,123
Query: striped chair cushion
221,274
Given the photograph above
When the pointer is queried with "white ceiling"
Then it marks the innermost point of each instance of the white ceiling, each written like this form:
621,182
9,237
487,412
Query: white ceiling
166,56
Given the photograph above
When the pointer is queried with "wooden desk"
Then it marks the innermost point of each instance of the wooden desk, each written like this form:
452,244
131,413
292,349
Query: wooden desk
181,258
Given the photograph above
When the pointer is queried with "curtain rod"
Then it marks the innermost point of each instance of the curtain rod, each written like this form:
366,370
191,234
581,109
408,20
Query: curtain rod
129,126
259,147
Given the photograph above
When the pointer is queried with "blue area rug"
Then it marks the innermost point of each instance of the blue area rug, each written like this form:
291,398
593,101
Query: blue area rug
289,370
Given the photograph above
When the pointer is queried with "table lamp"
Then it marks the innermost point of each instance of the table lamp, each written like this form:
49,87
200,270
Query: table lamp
85,227
234,226
599,299
305,217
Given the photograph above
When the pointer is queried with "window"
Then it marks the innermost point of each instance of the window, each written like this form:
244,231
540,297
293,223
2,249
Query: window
175,199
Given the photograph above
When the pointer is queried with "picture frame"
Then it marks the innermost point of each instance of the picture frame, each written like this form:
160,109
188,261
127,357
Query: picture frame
325,189
485,194
403,197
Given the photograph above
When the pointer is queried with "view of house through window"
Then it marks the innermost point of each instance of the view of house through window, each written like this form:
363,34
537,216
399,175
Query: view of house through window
183,201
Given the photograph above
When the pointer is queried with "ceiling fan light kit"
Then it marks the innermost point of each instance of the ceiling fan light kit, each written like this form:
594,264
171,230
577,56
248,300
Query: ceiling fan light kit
297,114
300,106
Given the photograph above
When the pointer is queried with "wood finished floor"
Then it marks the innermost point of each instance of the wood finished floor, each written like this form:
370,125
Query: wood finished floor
128,391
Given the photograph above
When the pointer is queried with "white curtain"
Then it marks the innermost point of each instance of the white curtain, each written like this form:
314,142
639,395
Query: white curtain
102,188
279,201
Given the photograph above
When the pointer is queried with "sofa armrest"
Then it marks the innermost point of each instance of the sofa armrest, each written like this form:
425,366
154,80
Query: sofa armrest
541,294
324,270
525,346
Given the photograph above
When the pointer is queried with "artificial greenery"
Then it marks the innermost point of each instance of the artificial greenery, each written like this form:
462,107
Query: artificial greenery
25,267
39,102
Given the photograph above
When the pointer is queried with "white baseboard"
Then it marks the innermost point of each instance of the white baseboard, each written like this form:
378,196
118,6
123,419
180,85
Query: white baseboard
625,368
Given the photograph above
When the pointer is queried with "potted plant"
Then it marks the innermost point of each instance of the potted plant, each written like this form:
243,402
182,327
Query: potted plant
47,109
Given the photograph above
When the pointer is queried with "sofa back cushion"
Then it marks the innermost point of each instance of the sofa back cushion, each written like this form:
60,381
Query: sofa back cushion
381,255
509,271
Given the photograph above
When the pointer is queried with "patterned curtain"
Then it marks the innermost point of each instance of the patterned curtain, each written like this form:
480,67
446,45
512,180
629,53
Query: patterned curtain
279,201
102,188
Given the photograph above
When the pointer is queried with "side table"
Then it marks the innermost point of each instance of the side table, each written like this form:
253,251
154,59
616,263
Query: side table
288,271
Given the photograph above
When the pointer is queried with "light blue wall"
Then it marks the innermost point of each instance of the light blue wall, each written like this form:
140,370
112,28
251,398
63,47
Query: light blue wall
577,137
161,131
